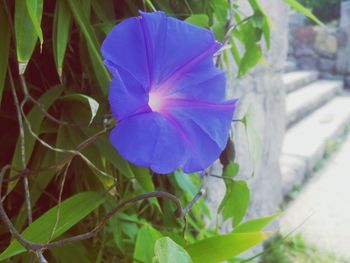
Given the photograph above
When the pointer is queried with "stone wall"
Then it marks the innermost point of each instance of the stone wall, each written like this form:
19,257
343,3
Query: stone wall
343,57
263,90
326,49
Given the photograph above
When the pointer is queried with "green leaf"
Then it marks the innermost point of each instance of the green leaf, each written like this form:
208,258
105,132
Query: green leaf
223,247
201,20
231,170
78,251
301,9
220,8
255,225
251,57
93,45
35,118
145,241
93,104
35,10
42,158
72,210
260,20
185,183
144,178
113,156
106,150
235,202
26,32
167,251
62,22
105,12
4,47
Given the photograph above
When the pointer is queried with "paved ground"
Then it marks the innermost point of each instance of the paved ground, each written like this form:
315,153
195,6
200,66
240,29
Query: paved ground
325,205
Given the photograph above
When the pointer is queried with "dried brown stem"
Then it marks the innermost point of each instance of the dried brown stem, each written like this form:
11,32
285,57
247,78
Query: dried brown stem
23,152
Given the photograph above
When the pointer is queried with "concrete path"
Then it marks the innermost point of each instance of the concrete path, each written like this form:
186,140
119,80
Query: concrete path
324,206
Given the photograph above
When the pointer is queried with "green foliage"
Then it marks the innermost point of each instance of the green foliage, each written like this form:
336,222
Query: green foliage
56,221
62,24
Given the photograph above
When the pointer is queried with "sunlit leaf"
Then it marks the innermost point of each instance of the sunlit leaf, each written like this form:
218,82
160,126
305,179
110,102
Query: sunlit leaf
261,21
220,8
255,225
198,20
301,9
223,247
251,57
231,170
72,210
145,241
167,251
235,202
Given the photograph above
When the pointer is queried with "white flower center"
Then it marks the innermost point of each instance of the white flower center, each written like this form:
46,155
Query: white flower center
155,101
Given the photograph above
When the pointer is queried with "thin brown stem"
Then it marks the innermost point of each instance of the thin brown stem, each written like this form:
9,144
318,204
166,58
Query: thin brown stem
23,152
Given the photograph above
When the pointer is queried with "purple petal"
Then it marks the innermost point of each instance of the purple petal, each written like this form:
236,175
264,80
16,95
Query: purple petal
150,140
204,82
175,46
206,127
124,47
127,96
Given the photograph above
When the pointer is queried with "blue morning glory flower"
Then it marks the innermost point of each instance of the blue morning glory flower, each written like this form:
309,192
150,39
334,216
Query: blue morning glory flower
166,94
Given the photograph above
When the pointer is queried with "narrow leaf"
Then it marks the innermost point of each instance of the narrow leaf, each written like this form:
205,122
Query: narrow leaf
93,45
223,247
35,10
255,225
72,210
301,9
62,22
26,35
